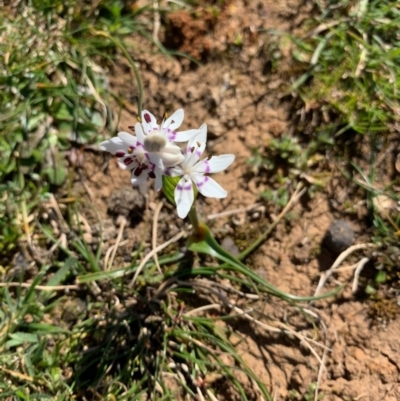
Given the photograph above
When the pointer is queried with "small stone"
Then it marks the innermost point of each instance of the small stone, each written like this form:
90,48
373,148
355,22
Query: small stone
88,237
339,236
229,245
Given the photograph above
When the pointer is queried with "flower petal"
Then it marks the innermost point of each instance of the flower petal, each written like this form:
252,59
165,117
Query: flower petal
158,179
139,133
195,147
174,121
113,145
184,197
128,139
156,160
127,163
183,136
207,186
171,155
200,137
137,180
214,164
174,171
149,122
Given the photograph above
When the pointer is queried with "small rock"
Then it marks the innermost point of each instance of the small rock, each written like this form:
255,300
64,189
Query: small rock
339,236
229,245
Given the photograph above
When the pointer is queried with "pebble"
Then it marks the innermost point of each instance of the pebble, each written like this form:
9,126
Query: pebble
339,236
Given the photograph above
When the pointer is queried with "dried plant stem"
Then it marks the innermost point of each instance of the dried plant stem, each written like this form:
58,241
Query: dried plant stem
233,211
202,309
283,328
298,193
154,233
151,254
322,366
41,287
200,394
123,222
357,273
211,395
340,259
156,26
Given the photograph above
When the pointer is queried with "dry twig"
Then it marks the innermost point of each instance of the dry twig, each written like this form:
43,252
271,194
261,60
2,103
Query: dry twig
154,233
340,259
41,287
151,254
357,272
114,248
233,211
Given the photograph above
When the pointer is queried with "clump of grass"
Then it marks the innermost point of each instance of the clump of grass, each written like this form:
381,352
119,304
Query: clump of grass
79,330
383,212
285,162
165,336
55,96
353,64
177,329
344,80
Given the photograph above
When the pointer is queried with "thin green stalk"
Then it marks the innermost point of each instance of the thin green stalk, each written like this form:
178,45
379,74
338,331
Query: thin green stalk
208,244
194,218
122,47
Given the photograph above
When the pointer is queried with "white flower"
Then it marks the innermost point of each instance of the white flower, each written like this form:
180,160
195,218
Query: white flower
159,138
133,156
197,172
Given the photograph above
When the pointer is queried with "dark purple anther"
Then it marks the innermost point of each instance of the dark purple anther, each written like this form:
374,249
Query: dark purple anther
147,118
120,153
151,174
138,171
128,161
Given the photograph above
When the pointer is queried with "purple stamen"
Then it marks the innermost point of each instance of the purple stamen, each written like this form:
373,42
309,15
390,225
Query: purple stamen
128,161
120,153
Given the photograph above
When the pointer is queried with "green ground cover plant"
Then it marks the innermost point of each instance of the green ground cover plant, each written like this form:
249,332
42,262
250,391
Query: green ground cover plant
55,96
345,72
80,331
57,100
352,54
353,69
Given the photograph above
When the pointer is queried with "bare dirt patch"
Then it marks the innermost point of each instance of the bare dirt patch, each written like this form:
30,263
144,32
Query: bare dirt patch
238,95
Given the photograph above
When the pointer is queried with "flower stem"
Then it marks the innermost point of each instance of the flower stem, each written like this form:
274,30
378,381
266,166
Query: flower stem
135,69
194,219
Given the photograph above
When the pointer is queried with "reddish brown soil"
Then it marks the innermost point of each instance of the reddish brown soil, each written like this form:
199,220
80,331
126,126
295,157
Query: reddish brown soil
235,93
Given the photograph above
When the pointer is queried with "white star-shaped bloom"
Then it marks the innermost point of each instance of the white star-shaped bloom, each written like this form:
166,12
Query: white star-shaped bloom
197,172
132,155
159,138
